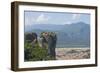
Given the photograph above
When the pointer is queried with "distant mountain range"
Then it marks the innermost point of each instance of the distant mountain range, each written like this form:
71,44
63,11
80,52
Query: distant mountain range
69,35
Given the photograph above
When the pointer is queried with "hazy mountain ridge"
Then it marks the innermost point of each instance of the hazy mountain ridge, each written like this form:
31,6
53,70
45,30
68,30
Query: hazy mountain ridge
75,34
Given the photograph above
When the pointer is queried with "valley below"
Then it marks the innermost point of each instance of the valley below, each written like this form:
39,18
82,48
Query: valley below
72,53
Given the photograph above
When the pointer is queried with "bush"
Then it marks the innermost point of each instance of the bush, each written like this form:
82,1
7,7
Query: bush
35,53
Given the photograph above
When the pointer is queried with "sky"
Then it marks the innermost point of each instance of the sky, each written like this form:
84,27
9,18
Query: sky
57,18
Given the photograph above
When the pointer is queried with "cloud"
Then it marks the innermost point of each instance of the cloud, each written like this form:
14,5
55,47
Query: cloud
68,22
29,21
42,18
75,16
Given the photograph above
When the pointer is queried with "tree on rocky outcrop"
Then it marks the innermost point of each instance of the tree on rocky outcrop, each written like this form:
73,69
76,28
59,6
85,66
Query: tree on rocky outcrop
34,52
49,42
